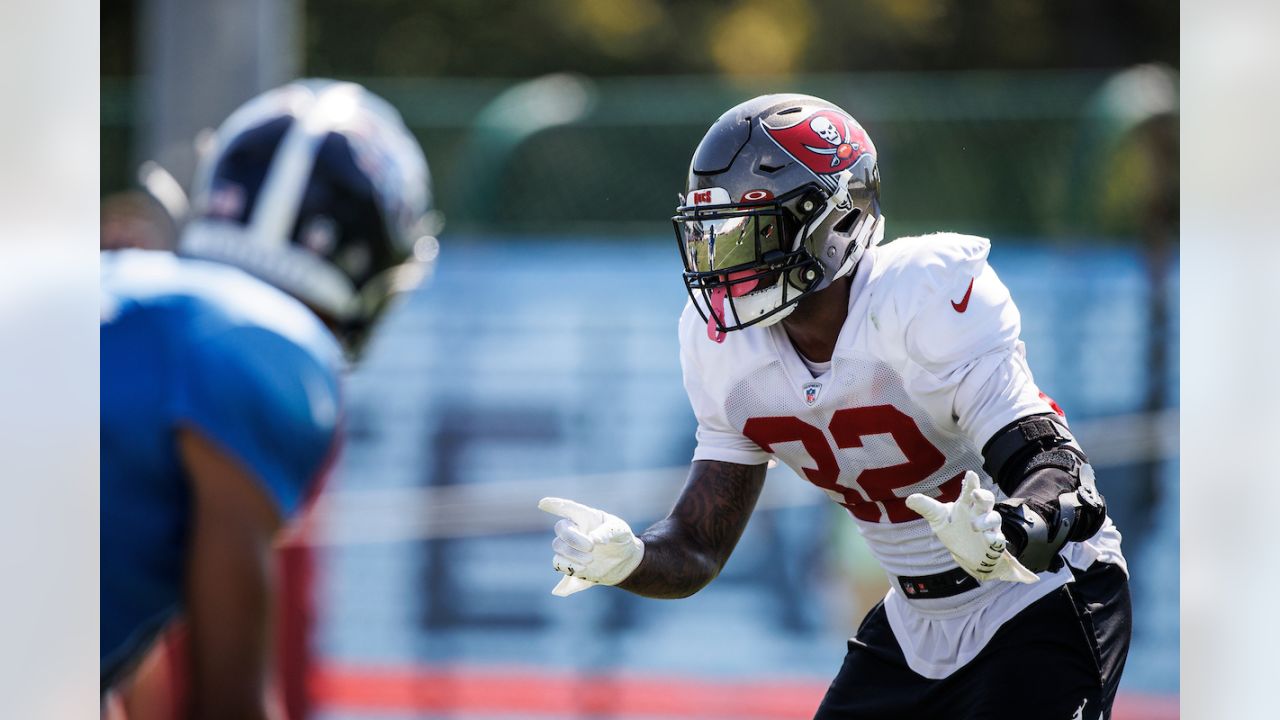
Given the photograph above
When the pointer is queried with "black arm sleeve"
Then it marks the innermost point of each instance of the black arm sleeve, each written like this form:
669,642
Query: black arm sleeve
1052,497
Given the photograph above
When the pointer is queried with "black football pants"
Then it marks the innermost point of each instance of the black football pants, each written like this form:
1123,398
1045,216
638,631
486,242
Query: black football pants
1060,656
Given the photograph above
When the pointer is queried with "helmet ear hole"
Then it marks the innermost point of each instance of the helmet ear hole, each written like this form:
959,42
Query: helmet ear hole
845,226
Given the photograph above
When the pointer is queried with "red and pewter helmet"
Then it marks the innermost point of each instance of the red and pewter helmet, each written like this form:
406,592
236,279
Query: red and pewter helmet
783,198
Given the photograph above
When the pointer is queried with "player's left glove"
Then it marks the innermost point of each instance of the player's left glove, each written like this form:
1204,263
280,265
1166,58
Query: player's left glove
592,547
970,529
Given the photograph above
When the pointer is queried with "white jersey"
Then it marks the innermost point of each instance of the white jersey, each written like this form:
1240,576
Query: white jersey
927,367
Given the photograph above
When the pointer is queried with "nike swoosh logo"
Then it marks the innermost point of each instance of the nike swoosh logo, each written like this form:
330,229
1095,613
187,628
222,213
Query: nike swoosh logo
964,301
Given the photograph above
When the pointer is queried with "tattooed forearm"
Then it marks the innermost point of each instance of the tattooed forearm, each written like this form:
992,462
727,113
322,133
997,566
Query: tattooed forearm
686,551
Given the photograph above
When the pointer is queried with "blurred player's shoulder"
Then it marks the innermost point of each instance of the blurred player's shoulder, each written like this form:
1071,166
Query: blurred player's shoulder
135,279
246,364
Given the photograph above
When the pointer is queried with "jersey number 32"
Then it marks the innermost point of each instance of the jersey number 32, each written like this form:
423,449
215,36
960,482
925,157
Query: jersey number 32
873,488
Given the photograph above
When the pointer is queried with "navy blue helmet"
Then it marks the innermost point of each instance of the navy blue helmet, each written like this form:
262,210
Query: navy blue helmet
318,188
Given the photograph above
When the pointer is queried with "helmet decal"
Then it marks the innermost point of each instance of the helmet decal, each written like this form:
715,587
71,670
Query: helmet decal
826,141
709,196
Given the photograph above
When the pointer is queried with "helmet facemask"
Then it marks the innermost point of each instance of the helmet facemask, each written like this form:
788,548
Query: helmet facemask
747,263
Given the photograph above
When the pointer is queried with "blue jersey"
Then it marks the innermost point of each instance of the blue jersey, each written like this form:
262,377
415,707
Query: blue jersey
189,343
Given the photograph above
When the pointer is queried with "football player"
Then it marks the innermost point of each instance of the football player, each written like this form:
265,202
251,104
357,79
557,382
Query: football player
221,409
892,377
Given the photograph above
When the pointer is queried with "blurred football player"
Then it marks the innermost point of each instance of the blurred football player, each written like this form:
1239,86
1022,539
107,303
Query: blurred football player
221,409
893,378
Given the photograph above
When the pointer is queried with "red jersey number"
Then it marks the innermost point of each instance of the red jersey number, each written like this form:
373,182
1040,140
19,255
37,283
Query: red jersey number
873,488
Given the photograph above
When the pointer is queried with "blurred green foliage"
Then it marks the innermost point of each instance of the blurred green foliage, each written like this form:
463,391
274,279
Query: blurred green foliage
509,38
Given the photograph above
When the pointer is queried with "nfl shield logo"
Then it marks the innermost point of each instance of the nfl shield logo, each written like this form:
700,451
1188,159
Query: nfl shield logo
811,393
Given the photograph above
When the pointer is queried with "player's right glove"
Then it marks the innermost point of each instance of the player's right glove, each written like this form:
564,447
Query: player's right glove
592,547
970,529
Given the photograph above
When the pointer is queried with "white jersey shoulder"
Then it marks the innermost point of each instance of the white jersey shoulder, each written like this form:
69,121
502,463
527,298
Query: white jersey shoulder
935,302
931,261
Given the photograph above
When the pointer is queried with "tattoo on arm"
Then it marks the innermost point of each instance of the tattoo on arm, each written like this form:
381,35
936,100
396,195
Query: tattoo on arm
686,551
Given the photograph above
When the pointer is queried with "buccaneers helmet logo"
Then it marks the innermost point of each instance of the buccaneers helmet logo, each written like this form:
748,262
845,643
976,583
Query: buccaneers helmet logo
826,141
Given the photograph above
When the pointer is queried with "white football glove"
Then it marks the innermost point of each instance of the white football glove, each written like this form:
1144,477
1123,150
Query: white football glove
592,547
970,529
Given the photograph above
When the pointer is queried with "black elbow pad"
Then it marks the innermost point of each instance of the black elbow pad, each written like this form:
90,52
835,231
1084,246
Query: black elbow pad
1053,499
1028,444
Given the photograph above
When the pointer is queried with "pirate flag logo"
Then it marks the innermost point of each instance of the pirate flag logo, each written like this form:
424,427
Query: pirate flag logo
826,141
